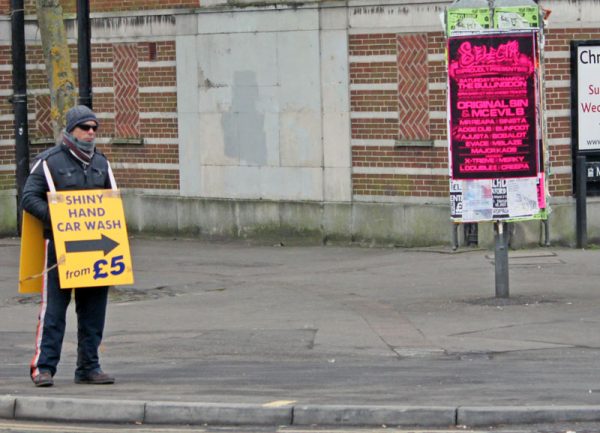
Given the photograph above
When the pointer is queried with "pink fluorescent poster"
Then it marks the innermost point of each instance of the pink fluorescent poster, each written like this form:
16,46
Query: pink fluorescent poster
541,191
492,106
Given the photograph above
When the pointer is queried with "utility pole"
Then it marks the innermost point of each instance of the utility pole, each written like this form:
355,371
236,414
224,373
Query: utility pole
19,101
84,58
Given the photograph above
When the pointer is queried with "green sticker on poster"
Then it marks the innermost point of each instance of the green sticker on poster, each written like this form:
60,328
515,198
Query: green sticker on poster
468,20
516,17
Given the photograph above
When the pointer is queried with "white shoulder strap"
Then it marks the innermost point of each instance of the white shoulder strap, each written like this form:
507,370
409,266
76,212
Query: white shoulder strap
111,176
51,186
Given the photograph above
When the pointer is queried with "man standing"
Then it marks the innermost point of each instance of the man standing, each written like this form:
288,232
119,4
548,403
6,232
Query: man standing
74,164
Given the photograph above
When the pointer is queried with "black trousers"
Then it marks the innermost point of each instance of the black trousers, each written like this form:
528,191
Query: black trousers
90,306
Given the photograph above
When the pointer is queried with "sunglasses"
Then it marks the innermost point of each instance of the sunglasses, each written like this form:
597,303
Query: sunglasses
85,127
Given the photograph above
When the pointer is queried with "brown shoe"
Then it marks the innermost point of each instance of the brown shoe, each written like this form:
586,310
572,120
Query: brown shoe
95,378
42,379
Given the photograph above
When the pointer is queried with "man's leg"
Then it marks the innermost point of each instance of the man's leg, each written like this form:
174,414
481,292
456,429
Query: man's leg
91,313
51,325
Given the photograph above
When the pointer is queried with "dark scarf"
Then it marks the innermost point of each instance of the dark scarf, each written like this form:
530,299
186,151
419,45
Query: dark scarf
84,151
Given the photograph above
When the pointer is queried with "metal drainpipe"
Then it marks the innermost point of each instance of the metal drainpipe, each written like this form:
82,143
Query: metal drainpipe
84,58
19,101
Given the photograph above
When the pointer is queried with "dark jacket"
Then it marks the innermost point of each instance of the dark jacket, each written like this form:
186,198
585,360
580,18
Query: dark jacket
68,173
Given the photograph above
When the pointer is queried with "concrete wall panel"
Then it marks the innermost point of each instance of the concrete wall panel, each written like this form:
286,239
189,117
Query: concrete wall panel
258,119
298,68
572,13
373,15
337,184
190,154
220,56
337,158
295,183
276,183
333,17
300,137
251,20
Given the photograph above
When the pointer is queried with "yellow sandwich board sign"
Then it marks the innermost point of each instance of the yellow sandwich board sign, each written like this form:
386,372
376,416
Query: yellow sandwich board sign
90,237
31,263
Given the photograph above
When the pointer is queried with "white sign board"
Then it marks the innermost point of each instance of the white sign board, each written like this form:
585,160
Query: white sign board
588,97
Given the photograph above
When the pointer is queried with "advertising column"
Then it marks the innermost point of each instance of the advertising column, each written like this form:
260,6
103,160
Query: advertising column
494,134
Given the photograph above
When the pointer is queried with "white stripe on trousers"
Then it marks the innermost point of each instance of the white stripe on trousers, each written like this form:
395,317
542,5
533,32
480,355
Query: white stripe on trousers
40,329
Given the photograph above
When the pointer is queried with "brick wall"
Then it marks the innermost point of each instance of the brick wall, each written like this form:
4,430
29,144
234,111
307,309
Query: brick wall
143,104
134,96
391,99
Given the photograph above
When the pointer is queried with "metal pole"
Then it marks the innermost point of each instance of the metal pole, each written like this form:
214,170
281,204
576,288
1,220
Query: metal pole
19,101
501,260
84,57
454,236
581,206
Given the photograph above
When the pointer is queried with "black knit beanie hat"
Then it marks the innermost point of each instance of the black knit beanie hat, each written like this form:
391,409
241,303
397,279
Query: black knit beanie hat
78,115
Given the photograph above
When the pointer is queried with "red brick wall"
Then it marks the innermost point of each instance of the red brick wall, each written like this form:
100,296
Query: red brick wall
413,96
410,73
130,102
7,152
126,111
127,97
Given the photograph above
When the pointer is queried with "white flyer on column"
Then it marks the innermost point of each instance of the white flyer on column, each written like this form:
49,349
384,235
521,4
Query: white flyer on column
477,200
522,196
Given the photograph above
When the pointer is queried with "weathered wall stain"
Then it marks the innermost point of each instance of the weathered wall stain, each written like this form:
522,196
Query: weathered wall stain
243,125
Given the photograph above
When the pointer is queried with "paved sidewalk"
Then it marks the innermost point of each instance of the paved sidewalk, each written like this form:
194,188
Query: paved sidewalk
230,333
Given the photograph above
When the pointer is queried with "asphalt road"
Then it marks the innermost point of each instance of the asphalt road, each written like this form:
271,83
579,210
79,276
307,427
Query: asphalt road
237,323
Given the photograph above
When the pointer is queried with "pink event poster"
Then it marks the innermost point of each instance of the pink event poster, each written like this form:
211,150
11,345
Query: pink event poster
492,106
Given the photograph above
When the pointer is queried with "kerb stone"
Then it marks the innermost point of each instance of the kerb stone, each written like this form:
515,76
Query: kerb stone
216,414
71,409
375,416
491,416
7,406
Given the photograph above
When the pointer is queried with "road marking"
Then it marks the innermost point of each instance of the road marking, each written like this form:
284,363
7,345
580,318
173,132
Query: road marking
51,428
279,403
385,429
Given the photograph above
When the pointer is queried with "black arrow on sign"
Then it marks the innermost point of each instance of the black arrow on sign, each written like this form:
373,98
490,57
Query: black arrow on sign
105,244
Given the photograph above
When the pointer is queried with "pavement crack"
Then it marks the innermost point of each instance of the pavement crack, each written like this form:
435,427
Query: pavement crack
512,325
